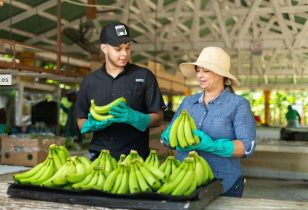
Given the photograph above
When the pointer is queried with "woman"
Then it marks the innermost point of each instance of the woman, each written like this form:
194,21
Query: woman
225,123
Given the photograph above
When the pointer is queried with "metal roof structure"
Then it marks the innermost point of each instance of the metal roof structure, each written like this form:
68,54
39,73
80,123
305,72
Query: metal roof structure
267,39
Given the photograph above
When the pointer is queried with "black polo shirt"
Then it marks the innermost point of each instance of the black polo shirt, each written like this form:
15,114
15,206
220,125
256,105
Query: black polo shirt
140,88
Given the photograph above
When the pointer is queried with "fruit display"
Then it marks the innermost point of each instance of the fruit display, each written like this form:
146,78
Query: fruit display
100,113
131,174
181,131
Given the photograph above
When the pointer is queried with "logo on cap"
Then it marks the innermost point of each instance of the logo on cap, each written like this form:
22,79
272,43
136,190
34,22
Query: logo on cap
121,31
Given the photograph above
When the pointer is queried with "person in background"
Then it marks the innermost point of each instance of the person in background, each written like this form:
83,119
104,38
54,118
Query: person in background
293,118
224,120
117,77
71,128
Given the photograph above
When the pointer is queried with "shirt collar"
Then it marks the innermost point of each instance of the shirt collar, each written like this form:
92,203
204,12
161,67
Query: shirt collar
217,99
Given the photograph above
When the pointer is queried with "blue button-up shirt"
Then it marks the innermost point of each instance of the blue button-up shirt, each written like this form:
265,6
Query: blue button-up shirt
228,116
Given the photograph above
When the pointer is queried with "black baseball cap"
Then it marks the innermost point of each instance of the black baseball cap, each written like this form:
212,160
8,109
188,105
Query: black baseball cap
115,34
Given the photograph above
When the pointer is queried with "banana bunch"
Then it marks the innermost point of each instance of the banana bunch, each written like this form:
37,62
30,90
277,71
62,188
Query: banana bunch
56,158
121,159
203,170
74,170
152,159
183,180
106,162
132,156
181,131
100,113
169,165
117,181
94,180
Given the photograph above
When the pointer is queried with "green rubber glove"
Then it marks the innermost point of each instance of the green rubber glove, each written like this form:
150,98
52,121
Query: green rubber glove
222,147
164,138
124,114
91,125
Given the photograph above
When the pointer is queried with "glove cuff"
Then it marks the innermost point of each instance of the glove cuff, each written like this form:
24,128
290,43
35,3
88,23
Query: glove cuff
142,121
223,147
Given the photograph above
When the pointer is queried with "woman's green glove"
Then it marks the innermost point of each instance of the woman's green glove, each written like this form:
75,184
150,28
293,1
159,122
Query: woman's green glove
124,114
164,138
91,125
222,147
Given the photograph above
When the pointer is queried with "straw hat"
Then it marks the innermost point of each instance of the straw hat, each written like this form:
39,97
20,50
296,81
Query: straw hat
214,59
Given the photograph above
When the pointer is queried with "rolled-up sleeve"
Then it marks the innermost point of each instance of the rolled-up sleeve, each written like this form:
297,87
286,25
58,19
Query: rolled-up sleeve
245,126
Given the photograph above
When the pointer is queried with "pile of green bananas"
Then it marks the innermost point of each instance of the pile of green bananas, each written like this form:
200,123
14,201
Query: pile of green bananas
193,172
56,158
100,113
181,131
169,165
73,171
152,159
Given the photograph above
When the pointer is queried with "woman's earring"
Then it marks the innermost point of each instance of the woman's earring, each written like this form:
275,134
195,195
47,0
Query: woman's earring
228,82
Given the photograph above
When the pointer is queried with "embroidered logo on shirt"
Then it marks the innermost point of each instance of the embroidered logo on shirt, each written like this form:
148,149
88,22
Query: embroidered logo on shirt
121,31
139,80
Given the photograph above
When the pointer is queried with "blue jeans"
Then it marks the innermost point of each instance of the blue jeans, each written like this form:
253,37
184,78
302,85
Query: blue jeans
237,188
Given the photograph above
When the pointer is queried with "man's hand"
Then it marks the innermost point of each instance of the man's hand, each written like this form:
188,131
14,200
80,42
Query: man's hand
124,114
91,125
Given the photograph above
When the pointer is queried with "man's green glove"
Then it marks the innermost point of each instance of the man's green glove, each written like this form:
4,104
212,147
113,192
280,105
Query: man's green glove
124,114
222,147
91,125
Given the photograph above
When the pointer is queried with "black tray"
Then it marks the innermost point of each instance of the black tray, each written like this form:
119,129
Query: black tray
146,200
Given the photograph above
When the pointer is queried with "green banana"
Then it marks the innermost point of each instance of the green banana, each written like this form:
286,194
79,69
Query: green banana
59,177
111,179
37,175
173,132
106,108
108,167
169,186
124,188
50,170
175,173
187,131
132,180
92,182
100,181
163,166
65,151
114,163
117,183
61,155
29,173
144,187
57,160
180,133
99,117
186,182
85,181
193,186
193,127
199,172
155,171
86,163
80,172
207,170
121,159
149,177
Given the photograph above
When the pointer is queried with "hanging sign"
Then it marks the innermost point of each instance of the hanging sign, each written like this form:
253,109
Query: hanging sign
5,79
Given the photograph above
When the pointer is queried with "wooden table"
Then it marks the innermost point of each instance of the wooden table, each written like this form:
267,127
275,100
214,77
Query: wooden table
221,203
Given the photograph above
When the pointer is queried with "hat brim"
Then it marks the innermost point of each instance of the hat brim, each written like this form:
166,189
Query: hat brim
120,41
189,71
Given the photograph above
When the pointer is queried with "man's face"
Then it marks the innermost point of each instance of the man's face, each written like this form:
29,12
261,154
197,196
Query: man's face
117,56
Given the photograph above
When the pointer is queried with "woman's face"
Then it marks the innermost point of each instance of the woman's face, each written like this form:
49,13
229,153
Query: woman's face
208,80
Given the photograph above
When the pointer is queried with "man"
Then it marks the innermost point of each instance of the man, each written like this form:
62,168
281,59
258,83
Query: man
293,118
129,129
